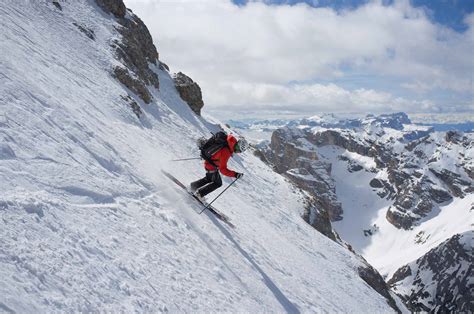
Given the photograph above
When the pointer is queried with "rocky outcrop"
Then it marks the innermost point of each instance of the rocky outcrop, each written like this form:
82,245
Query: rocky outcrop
441,280
189,91
132,83
135,50
414,200
286,148
344,139
85,30
57,5
291,154
116,7
373,278
456,185
301,170
318,217
376,183
417,190
137,110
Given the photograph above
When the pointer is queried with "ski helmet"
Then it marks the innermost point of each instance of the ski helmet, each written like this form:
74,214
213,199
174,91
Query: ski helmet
243,145
201,141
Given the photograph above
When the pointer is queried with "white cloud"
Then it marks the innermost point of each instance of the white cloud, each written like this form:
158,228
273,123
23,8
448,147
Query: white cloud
315,98
248,55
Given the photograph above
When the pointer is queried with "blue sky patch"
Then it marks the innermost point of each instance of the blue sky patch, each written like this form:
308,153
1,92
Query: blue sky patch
450,13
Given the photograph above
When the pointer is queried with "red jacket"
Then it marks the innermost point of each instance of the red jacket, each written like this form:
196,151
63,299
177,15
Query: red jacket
222,157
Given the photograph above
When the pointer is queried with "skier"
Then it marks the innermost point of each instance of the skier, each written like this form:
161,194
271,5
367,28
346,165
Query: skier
218,163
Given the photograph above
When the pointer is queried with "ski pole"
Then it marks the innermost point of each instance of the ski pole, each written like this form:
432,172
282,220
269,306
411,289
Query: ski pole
182,159
207,206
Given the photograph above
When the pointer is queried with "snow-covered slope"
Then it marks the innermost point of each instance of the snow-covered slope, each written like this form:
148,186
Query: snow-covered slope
89,223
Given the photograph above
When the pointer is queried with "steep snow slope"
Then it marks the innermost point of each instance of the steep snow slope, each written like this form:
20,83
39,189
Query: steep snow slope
88,223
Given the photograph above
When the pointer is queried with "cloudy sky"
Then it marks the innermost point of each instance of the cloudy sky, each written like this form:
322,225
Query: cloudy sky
316,56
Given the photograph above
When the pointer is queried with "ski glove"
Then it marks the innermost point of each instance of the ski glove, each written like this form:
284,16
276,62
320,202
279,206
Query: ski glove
238,175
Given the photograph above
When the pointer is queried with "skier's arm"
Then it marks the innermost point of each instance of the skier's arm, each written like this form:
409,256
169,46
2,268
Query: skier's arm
223,167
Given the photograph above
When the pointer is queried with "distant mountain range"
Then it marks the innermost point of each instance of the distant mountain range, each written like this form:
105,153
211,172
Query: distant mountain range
330,120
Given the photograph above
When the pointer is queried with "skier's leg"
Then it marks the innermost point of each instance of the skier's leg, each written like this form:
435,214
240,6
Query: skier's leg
216,182
200,183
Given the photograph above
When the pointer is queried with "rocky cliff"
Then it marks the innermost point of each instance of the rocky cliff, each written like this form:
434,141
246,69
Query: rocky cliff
140,60
441,281
293,155
135,50
189,91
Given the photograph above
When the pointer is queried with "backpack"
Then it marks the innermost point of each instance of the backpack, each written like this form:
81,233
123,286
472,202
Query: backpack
211,146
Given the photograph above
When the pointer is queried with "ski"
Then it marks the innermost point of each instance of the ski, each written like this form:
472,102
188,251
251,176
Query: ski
214,211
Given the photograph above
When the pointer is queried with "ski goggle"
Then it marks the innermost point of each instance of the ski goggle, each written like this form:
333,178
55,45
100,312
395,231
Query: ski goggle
237,148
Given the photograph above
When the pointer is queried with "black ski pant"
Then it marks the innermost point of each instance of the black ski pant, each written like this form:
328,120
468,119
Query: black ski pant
209,183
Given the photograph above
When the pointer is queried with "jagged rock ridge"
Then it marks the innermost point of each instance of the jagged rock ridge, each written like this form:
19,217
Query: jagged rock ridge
189,91
141,59
441,281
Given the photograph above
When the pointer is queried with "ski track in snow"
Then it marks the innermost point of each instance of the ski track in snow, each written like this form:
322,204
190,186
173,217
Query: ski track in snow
89,224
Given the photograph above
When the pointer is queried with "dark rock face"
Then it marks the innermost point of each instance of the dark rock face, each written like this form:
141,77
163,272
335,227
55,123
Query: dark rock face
317,209
86,31
135,49
375,280
318,217
453,137
164,67
57,5
414,200
457,186
441,280
376,183
399,219
291,156
401,273
133,84
116,7
137,110
189,91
